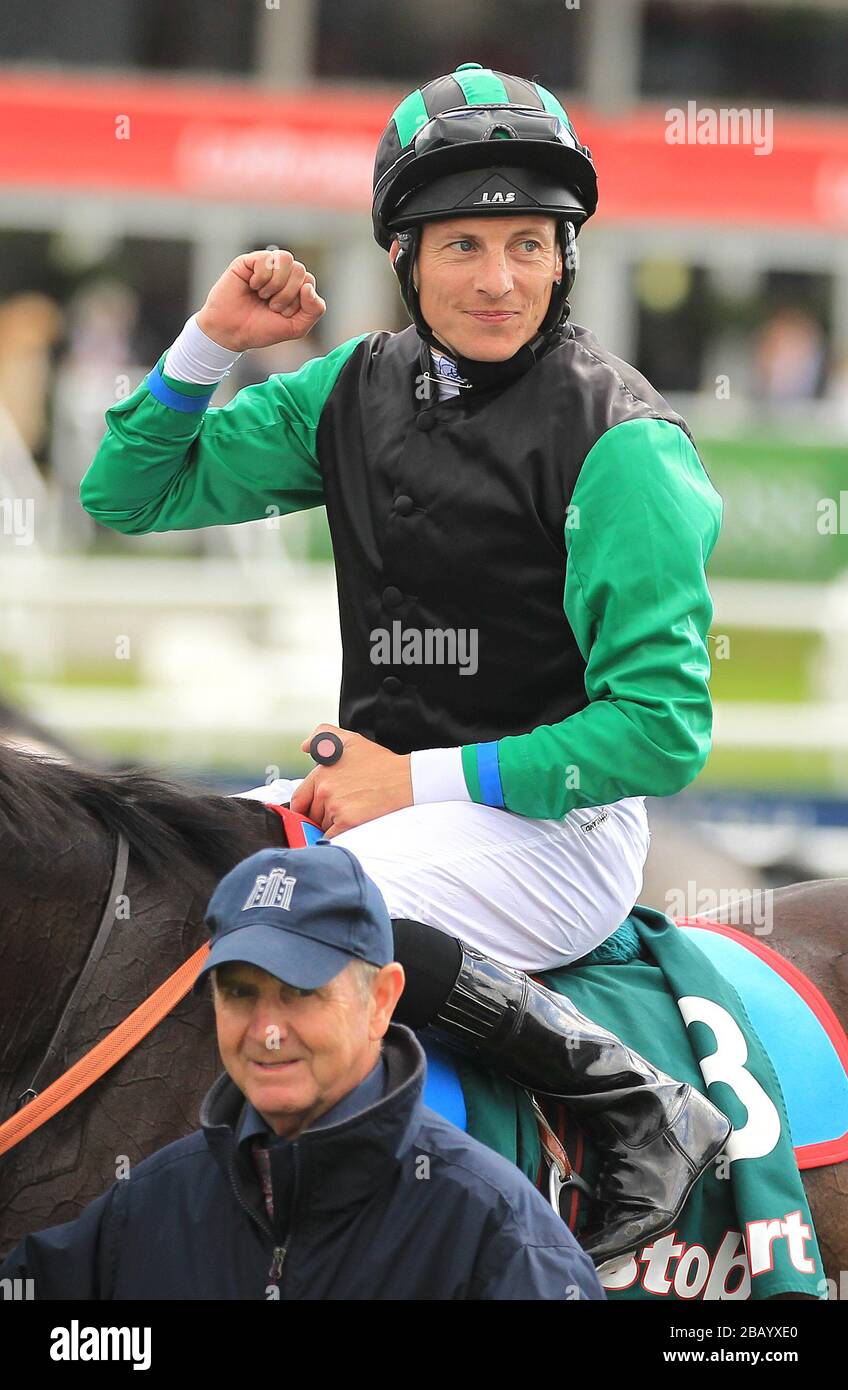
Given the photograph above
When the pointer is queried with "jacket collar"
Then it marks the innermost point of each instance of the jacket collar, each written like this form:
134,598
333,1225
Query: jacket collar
341,1165
491,376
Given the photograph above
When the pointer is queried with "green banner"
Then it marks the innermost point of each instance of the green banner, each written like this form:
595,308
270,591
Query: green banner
785,508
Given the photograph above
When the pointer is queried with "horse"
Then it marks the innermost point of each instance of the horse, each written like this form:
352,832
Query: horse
60,826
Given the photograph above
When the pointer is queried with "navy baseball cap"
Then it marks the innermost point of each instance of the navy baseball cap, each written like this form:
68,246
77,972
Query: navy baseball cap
300,914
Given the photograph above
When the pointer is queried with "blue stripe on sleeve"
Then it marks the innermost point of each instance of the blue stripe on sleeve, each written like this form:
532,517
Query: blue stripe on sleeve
489,773
189,405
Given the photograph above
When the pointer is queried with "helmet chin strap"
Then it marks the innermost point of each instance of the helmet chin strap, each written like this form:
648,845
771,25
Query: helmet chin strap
484,375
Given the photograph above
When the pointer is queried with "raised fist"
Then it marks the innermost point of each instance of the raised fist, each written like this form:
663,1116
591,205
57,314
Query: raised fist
262,298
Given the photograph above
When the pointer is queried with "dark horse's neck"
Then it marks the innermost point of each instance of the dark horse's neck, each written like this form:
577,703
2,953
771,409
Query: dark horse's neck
58,834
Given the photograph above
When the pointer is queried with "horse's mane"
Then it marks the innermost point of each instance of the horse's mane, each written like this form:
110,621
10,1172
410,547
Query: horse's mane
42,797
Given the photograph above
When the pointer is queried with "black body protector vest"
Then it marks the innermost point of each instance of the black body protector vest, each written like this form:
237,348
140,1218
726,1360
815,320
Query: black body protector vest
449,518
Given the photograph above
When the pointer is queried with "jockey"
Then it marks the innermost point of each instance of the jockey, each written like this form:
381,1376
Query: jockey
508,501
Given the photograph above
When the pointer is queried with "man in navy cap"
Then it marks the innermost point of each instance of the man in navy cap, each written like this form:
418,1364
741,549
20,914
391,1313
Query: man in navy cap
317,1172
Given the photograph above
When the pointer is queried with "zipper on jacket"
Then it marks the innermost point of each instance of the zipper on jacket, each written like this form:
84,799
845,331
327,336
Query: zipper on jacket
279,1251
257,1221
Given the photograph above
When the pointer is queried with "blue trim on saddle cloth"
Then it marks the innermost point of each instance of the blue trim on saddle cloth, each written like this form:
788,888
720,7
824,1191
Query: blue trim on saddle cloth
311,833
189,405
489,773
443,1089
793,1037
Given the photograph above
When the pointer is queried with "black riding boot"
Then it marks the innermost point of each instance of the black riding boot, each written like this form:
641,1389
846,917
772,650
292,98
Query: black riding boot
657,1135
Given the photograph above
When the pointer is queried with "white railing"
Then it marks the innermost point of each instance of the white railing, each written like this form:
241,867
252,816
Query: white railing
214,646
219,645
788,607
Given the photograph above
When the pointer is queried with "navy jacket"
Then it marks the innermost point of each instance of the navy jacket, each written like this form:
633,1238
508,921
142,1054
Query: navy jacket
392,1203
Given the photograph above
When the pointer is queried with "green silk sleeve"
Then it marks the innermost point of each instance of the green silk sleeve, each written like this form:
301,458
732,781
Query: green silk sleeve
642,523
169,463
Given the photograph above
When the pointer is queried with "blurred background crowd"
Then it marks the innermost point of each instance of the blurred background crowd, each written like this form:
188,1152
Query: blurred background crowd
145,143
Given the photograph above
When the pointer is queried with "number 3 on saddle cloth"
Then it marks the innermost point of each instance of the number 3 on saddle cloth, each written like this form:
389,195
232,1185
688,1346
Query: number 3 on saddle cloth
718,1008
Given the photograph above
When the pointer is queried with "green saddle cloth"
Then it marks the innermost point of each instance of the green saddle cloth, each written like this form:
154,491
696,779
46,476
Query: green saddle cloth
651,986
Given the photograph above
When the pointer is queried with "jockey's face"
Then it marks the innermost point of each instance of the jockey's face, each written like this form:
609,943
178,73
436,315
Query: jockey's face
295,1054
484,283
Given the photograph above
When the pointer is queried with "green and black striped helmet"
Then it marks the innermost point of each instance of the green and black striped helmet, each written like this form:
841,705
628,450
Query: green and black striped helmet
457,124
478,141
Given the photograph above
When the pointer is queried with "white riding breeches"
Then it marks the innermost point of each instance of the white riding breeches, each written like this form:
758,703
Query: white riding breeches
534,894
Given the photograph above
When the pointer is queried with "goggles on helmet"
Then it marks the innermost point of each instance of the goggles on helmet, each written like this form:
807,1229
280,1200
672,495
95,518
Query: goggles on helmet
472,125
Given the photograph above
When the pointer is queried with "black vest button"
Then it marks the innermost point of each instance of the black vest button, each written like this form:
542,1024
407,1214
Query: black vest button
425,420
392,597
392,685
404,505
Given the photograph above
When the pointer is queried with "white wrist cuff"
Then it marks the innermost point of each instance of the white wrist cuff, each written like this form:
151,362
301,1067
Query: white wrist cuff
437,775
195,357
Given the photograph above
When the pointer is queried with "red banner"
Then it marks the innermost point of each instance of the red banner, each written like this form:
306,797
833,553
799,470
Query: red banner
316,148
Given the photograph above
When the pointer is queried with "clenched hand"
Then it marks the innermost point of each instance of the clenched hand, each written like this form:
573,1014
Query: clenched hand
368,781
263,297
